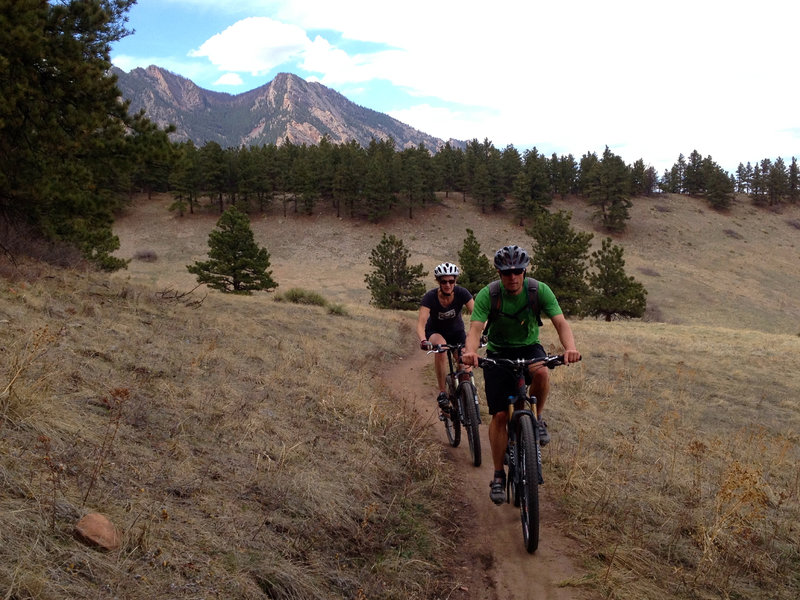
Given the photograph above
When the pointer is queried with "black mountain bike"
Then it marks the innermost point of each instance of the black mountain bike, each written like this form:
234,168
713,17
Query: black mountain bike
523,453
463,397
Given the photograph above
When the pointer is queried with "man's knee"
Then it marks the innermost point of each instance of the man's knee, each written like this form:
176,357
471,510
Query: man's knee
541,376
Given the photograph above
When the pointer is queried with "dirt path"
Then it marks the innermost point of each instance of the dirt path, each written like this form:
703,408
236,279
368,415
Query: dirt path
494,556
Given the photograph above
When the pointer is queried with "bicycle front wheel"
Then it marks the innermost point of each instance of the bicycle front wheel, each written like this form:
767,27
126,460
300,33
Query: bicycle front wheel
528,465
452,423
471,419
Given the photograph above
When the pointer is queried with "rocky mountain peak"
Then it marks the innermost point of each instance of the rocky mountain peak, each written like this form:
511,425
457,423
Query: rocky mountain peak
286,108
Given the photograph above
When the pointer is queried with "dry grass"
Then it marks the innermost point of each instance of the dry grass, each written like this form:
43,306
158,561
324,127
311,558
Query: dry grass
677,454
247,449
221,440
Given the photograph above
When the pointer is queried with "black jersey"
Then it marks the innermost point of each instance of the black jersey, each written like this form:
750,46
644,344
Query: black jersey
446,321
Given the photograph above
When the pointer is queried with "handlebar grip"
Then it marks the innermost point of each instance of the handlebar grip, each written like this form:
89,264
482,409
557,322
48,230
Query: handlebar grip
559,361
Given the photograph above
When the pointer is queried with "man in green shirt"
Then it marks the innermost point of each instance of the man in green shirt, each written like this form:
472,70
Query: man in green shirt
514,333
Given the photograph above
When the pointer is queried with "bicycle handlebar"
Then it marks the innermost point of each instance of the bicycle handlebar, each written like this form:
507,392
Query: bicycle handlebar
549,361
438,348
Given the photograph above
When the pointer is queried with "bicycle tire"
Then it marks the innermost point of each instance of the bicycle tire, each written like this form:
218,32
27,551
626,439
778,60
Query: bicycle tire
528,464
452,423
471,420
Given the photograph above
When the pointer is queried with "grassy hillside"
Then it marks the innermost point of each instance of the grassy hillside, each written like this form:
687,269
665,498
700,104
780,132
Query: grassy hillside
244,447
247,448
736,269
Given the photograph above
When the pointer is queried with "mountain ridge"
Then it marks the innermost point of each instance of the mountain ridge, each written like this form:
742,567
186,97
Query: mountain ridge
288,108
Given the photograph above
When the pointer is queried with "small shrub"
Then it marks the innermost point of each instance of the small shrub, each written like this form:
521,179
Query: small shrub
301,296
146,256
337,309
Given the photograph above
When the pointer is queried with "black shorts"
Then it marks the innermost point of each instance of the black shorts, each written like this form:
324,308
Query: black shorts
500,382
451,337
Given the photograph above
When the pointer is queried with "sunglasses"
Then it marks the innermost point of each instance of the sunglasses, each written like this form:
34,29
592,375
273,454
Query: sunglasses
512,272
447,281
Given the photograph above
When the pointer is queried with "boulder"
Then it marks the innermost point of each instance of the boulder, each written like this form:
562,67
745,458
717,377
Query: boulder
98,530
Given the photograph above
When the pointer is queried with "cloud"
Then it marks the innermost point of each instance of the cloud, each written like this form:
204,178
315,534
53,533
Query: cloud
229,79
255,45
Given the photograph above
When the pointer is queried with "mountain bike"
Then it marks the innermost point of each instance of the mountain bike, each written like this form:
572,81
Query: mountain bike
463,396
523,452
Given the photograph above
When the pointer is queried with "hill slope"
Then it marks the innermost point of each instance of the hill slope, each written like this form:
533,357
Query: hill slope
247,448
737,269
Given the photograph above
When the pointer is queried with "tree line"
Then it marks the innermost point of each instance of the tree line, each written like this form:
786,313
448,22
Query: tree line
71,155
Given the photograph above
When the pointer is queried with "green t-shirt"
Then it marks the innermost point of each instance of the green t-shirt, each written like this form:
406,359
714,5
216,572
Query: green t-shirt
508,332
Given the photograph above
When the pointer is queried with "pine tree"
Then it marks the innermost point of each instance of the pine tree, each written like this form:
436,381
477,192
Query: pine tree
778,182
613,293
236,264
523,203
719,188
65,160
476,270
480,186
559,258
608,189
535,168
794,182
393,282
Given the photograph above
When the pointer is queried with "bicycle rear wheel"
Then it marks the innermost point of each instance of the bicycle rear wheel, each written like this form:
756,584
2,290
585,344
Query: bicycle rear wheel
452,423
471,419
528,465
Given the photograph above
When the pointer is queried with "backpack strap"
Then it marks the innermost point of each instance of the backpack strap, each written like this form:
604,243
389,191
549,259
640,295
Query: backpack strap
496,298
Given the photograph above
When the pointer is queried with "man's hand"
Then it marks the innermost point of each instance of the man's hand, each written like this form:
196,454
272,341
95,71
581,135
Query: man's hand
469,358
425,345
571,356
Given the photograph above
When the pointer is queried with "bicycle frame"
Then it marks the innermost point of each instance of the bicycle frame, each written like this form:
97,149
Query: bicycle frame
523,436
464,406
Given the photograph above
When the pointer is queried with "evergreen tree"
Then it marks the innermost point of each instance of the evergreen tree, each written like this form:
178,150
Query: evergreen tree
567,176
559,258
393,282
794,182
494,169
758,188
347,181
694,180
608,189
65,160
613,293
480,186
236,264
510,166
523,203
536,171
588,161
379,183
778,182
476,270
446,163
720,189
742,178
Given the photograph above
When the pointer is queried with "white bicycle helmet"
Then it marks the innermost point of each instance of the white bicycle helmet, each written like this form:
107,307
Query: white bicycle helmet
446,268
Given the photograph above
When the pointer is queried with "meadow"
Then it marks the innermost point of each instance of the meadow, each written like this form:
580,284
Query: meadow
251,448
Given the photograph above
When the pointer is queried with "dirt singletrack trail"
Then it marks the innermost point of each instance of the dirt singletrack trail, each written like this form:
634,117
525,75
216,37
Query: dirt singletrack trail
494,563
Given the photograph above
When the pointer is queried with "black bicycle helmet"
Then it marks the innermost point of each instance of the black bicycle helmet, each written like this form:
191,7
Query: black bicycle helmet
511,257
446,268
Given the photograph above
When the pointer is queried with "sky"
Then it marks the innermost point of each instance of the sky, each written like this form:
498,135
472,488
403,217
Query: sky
650,79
